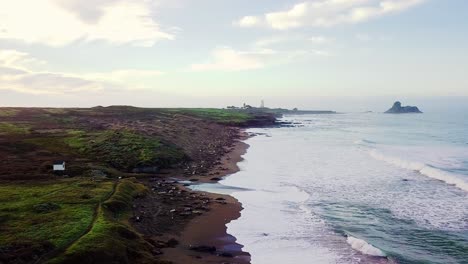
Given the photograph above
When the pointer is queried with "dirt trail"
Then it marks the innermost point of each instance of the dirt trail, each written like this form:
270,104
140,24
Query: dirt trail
97,211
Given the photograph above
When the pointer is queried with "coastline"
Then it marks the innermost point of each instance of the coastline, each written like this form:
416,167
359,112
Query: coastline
209,229
189,226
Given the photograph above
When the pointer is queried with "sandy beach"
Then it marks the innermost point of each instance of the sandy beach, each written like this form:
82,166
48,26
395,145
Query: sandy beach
190,226
209,230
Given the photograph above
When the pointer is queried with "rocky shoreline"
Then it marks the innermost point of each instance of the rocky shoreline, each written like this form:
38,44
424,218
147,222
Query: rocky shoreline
186,226
128,170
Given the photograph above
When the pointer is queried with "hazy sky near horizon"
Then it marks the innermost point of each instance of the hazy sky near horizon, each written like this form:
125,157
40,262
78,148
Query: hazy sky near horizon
166,52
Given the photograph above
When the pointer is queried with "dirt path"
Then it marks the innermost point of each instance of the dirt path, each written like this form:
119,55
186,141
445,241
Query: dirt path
97,210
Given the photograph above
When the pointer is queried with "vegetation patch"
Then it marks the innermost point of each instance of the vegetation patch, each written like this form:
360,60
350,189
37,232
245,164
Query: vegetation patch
54,143
12,128
123,150
46,207
218,115
111,239
56,110
48,214
77,139
6,112
126,150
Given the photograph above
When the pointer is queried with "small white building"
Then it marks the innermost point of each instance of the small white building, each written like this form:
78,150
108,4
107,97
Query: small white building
59,165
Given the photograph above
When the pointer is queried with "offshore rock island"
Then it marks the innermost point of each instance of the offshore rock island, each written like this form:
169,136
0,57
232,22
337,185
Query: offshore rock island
398,109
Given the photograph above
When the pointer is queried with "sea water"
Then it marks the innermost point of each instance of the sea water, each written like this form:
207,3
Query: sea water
355,188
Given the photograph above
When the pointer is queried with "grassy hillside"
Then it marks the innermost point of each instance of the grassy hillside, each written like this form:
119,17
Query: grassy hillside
82,215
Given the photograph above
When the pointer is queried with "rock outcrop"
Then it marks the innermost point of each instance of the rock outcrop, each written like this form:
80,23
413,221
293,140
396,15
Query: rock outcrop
398,109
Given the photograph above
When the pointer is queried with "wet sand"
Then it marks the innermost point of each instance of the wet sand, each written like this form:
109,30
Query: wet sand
210,228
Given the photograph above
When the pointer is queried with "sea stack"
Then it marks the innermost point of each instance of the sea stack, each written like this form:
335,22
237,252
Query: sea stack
398,109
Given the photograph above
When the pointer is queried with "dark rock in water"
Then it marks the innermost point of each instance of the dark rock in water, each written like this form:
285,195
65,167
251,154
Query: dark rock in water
172,243
225,254
398,109
207,249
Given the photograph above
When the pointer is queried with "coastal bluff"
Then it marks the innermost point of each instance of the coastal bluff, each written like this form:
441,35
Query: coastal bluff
398,109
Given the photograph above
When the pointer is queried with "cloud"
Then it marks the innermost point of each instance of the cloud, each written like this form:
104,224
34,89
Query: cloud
17,74
321,53
17,59
292,40
228,59
258,57
326,13
319,40
128,78
62,22
248,21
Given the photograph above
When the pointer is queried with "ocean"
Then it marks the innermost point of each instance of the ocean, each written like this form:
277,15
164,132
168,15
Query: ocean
355,188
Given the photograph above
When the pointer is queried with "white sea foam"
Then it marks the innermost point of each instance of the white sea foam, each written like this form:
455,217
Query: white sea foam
302,184
447,177
364,247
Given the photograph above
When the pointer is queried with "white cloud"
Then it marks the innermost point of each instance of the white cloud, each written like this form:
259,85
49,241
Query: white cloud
128,78
61,22
274,40
17,59
325,13
16,74
292,40
260,56
319,40
321,53
248,21
228,59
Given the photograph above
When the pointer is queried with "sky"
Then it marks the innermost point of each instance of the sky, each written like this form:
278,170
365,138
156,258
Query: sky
210,53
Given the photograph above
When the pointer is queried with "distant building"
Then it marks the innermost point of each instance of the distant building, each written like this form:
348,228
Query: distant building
59,165
262,105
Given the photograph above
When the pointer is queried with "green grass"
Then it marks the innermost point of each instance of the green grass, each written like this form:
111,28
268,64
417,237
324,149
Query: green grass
11,128
125,150
111,239
56,110
77,139
5,112
73,141
54,143
85,221
24,219
217,115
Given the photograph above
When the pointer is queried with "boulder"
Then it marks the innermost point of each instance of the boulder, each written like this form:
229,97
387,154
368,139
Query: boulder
398,109
206,249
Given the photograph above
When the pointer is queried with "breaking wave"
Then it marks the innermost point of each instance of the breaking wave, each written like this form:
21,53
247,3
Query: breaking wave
427,170
364,247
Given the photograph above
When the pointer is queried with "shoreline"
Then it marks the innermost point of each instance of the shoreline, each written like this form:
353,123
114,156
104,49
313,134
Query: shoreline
209,230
